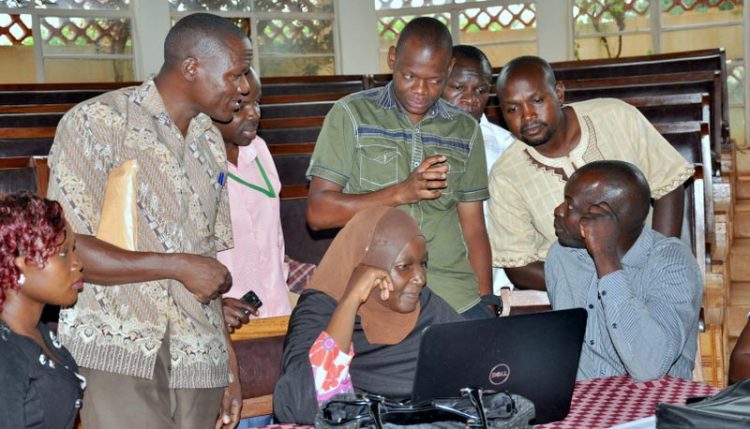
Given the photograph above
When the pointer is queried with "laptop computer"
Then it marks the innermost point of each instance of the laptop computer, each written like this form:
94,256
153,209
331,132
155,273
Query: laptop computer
533,355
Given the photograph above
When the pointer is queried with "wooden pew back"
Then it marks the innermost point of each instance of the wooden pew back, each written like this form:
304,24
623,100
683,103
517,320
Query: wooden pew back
259,346
24,174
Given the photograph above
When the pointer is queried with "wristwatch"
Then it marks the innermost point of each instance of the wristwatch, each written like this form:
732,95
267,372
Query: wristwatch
491,299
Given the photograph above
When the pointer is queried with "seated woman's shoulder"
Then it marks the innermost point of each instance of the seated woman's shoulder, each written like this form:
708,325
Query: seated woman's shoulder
437,308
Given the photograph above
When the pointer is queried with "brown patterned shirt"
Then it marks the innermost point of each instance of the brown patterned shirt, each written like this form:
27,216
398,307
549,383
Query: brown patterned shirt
181,207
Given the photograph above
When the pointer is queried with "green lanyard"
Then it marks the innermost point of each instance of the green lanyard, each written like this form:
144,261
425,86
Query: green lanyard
267,191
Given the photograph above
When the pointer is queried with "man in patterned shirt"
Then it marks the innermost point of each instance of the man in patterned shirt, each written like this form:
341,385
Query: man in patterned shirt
554,140
642,290
148,330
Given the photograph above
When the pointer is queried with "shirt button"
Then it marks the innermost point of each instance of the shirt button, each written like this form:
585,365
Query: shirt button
614,325
591,306
591,342
604,293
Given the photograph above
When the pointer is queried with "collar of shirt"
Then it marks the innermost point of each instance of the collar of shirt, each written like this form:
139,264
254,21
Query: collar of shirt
389,101
147,96
247,155
636,256
638,253
569,161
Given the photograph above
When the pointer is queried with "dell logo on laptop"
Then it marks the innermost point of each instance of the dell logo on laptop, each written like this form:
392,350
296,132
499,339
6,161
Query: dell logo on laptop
499,374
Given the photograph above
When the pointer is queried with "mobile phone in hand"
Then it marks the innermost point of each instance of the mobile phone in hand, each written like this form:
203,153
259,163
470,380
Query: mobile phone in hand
252,299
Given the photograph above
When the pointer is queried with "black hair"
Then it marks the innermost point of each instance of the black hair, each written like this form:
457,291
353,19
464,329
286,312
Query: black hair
524,62
198,33
429,31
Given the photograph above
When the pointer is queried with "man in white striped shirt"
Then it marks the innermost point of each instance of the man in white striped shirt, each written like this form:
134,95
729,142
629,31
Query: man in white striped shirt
642,291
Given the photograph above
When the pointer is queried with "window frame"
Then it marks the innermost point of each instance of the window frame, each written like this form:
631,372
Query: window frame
656,27
255,16
37,14
453,10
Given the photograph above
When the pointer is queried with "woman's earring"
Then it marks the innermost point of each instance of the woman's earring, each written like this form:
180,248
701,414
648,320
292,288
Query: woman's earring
21,279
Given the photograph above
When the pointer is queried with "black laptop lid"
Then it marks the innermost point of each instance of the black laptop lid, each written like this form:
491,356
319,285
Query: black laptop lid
534,355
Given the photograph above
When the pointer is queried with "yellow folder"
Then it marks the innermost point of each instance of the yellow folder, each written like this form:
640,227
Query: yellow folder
118,222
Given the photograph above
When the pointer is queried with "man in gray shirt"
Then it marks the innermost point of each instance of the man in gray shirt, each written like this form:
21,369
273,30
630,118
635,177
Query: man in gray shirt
643,291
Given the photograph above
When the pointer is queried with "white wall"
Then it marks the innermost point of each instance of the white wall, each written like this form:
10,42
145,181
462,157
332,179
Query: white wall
151,25
554,30
358,36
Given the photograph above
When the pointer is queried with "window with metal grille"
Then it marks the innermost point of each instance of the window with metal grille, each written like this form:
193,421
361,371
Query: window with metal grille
290,37
502,29
619,28
66,40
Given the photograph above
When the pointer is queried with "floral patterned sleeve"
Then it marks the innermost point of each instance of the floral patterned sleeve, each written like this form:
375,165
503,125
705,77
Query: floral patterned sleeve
330,367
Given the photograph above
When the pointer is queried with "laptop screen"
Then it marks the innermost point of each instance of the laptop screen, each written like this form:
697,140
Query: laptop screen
533,355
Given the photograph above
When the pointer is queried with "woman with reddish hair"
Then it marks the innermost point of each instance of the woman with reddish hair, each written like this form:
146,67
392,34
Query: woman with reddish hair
41,387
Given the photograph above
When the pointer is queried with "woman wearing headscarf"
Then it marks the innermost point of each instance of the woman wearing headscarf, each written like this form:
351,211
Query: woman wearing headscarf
38,265
358,324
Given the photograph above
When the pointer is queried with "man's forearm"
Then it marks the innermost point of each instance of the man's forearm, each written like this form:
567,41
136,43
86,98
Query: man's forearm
481,263
471,218
529,276
668,213
105,264
333,209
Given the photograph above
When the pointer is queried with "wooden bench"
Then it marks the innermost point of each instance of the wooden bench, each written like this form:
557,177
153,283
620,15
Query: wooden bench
60,94
24,174
699,60
677,62
277,90
259,346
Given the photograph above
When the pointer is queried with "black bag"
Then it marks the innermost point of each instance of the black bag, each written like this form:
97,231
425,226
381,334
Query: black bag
474,409
728,409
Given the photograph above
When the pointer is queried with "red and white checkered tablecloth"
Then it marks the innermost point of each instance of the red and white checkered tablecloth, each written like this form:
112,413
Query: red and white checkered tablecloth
609,401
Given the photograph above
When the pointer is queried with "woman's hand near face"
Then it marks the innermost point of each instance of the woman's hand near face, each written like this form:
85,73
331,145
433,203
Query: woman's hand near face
363,280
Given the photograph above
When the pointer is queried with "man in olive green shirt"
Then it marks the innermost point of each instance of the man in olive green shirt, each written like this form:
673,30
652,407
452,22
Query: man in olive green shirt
401,145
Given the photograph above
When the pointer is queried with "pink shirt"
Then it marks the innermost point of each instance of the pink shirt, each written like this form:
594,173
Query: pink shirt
257,259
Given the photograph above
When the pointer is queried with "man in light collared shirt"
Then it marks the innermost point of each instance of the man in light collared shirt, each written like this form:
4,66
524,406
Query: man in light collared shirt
642,290
554,140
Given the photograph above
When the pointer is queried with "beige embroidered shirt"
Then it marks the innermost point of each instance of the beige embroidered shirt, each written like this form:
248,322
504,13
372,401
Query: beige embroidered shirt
526,186
182,207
